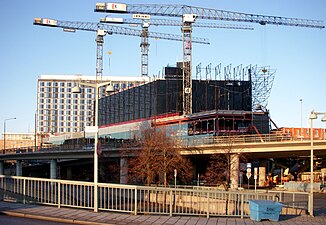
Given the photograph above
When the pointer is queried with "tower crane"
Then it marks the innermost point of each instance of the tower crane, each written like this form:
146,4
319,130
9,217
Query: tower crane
103,29
146,22
189,14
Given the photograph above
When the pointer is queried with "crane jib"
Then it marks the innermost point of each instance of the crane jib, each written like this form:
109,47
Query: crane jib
206,13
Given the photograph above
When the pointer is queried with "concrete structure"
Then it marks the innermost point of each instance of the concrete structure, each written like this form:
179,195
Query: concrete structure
263,149
61,111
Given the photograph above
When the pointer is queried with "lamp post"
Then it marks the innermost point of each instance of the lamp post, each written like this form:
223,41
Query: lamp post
313,115
109,88
4,134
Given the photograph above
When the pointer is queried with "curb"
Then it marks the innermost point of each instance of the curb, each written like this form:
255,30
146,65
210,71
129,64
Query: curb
53,219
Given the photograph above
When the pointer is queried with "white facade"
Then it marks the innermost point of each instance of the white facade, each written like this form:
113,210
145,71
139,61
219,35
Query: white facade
61,111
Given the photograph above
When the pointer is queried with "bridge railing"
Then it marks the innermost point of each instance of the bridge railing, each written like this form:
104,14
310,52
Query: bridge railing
185,141
213,140
136,199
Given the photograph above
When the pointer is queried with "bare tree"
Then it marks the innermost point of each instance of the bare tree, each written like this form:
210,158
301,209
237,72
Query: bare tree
220,165
157,158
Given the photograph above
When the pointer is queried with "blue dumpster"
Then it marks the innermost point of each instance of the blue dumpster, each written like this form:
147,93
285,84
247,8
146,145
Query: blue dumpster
264,209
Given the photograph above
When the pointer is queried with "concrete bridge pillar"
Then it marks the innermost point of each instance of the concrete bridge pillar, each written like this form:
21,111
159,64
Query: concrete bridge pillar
19,168
69,173
53,169
1,168
262,176
123,170
234,171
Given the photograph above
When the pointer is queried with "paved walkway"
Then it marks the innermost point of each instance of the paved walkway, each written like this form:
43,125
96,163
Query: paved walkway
81,216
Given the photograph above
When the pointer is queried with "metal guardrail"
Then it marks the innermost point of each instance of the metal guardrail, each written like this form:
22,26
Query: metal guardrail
137,199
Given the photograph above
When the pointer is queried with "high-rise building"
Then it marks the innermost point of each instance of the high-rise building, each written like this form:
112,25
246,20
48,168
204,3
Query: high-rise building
59,110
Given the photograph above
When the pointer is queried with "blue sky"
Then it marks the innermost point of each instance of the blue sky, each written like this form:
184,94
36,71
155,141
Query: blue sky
27,51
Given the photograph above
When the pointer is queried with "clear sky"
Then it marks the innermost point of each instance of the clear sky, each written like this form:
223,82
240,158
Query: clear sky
27,51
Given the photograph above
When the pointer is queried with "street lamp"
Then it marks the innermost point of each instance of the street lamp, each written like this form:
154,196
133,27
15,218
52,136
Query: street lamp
313,115
109,88
4,134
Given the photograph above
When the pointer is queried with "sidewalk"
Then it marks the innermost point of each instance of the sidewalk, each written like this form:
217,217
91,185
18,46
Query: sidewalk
81,216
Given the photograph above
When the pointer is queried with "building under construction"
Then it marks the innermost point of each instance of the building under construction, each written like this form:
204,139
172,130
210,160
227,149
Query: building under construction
219,106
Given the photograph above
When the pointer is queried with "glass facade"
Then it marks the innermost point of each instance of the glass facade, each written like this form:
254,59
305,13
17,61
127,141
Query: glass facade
165,97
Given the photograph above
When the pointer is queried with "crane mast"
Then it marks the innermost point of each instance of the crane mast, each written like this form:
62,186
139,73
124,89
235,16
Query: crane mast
99,53
200,13
187,21
144,49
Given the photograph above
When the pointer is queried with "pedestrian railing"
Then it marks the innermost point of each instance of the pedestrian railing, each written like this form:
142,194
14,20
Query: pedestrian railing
138,199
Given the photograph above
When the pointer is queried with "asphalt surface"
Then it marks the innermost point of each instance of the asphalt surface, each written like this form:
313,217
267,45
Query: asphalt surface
82,216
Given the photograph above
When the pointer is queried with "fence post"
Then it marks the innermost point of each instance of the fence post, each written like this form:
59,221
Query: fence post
59,195
242,206
135,201
24,191
293,199
207,204
171,202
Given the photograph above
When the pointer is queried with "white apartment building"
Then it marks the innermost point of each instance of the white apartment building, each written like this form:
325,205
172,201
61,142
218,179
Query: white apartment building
59,110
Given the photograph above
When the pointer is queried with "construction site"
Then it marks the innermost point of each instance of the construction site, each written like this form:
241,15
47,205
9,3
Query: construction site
193,101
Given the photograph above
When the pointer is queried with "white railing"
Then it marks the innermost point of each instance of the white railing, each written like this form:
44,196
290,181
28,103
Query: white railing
133,199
